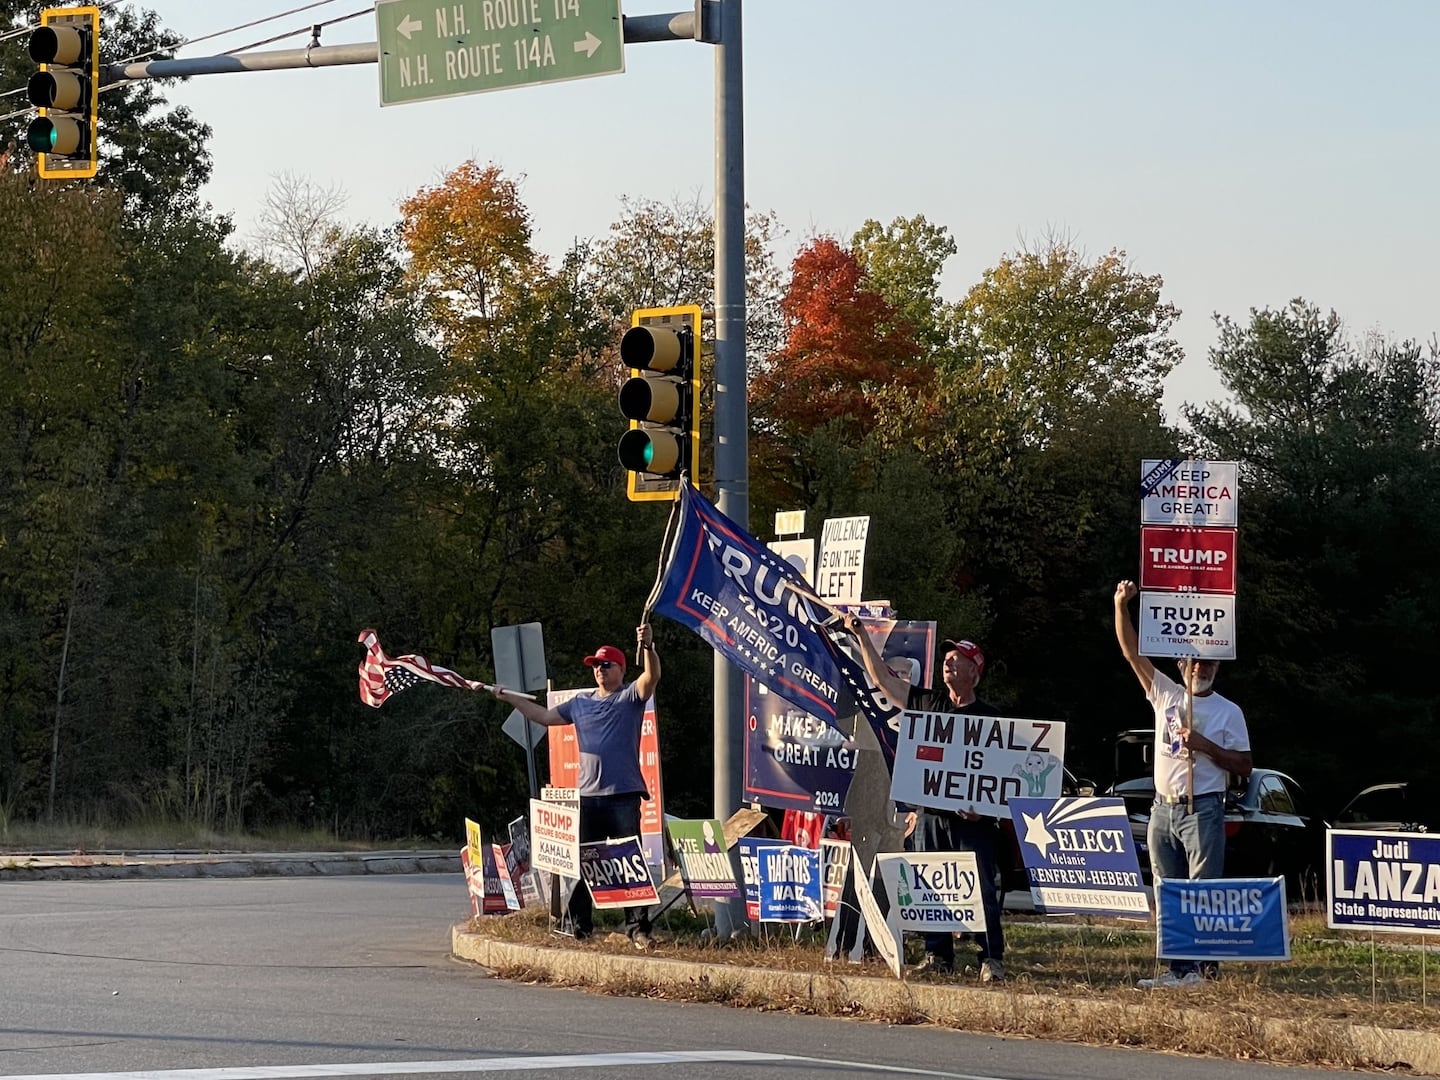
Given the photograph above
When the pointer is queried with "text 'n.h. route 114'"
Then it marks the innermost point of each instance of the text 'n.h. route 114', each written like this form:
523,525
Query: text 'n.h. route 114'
430,51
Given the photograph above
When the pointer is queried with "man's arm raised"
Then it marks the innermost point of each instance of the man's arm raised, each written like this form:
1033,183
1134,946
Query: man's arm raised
529,708
897,689
649,677
1125,633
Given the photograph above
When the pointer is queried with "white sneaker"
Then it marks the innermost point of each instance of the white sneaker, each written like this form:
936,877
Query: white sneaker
1171,981
992,971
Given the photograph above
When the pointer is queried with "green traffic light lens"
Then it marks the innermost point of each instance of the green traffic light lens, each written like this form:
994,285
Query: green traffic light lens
40,136
649,454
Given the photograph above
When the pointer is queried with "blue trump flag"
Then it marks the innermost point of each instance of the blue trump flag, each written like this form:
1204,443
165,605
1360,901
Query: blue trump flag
761,615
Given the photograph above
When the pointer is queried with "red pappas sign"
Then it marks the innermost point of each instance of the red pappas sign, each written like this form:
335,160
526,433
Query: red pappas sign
1175,559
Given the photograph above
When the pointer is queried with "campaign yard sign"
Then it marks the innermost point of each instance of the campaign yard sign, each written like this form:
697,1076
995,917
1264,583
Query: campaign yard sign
555,837
882,932
704,863
1221,919
933,891
840,576
1187,560
796,761
834,865
1195,493
1187,624
953,761
750,848
1080,857
1387,881
788,877
616,873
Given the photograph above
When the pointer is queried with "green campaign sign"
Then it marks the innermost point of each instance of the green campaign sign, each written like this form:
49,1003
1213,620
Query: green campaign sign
430,50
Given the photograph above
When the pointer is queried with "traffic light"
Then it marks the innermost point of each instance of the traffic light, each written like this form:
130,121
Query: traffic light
661,399
66,90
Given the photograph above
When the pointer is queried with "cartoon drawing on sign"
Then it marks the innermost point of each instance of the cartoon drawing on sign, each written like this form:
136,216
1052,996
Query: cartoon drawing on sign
1035,770
711,845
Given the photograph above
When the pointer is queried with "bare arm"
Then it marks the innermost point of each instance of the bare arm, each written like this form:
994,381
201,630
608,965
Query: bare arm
649,677
1232,761
1128,638
531,710
896,688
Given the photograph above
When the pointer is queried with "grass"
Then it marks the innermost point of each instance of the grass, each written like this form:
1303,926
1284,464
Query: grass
1334,978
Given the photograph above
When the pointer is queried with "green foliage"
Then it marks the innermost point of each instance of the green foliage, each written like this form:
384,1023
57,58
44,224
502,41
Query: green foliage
1339,592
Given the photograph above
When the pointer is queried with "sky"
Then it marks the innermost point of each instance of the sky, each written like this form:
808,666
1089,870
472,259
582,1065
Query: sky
1249,153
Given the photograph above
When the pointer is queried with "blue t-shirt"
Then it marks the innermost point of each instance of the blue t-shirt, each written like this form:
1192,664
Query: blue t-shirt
607,730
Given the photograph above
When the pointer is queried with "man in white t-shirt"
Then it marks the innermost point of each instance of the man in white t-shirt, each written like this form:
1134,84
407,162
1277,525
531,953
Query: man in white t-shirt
1185,842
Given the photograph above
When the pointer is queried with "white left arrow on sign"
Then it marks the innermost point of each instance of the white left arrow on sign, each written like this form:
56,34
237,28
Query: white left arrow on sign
588,45
408,26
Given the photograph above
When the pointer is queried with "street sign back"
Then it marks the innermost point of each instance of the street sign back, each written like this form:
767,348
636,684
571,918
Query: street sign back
431,50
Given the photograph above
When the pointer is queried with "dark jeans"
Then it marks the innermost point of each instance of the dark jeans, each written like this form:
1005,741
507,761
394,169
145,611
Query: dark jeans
601,818
939,830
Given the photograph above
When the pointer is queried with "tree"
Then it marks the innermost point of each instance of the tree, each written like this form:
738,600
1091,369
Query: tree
902,262
1069,334
1339,446
156,157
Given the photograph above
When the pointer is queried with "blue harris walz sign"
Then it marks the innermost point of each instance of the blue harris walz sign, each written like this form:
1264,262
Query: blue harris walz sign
1221,919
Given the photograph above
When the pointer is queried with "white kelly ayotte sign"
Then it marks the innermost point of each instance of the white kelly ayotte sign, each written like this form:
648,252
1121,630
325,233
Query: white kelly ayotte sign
555,837
1187,624
933,891
1189,492
954,761
840,572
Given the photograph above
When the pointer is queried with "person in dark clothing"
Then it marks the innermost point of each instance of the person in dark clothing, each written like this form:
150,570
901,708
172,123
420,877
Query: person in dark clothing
963,663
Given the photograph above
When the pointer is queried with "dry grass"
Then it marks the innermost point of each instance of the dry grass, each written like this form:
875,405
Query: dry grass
1075,979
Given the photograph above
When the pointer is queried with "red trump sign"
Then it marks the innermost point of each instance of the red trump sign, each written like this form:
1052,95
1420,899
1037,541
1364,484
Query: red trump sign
1177,559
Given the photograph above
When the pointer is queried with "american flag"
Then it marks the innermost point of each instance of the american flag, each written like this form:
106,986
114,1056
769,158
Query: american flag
381,675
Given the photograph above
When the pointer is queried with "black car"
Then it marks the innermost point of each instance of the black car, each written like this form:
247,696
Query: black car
1394,807
1269,829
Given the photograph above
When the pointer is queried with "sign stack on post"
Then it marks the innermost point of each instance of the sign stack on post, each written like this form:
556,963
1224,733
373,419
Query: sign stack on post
1187,558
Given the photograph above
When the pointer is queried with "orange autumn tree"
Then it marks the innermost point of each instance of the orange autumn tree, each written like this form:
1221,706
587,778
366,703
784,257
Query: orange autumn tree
844,344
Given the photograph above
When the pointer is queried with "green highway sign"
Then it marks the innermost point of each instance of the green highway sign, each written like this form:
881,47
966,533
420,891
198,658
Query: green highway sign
433,50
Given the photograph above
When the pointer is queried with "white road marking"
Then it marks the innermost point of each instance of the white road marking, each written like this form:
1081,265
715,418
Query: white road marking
484,1065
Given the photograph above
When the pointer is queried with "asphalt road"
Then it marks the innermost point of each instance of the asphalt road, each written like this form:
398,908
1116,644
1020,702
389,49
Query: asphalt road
273,978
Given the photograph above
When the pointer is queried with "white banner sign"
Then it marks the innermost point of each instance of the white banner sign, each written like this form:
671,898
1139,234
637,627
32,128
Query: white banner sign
954,761
1187,624
882,933
933,891
1189,493
840,576
555,837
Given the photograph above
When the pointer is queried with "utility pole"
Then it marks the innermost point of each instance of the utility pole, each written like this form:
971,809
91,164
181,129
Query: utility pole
719,23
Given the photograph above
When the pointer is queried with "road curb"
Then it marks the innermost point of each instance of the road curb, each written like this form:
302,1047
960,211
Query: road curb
122,868
1009,1012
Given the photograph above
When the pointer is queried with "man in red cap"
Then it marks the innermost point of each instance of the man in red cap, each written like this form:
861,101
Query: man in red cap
949,830
607,730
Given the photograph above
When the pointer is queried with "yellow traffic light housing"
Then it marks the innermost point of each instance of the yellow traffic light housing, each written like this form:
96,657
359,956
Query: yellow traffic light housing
661,399
66,90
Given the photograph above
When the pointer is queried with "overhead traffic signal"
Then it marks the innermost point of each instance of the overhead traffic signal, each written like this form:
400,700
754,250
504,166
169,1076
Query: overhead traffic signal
661,399
66,90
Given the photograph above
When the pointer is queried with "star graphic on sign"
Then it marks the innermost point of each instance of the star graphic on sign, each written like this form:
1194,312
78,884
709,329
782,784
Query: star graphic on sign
1035,832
